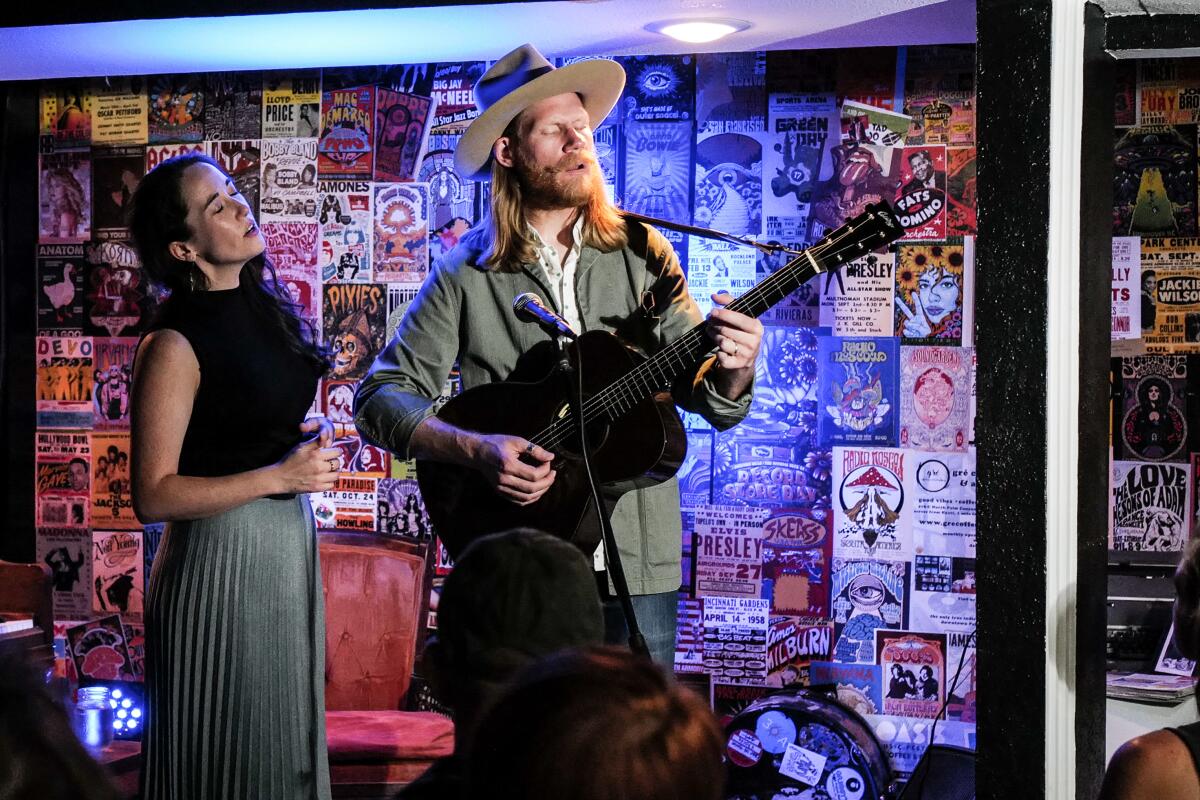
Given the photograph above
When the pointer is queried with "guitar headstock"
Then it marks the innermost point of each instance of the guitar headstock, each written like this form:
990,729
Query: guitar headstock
875,228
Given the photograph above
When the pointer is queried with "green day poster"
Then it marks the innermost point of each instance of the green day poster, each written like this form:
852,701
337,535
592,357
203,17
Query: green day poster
1150,506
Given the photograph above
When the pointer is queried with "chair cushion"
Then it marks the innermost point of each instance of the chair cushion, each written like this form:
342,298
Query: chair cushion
388,735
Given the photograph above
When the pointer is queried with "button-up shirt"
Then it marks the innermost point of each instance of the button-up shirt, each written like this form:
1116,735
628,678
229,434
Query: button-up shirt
561,277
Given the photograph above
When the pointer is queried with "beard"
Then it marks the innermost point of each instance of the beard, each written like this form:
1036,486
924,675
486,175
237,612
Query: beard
553,188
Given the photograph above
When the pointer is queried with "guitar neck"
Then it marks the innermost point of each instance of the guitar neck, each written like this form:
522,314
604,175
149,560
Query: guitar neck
660,371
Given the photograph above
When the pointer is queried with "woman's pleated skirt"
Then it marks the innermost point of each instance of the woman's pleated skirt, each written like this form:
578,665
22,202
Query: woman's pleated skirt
235,658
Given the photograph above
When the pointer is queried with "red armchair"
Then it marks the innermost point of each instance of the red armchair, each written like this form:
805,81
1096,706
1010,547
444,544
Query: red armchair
376,594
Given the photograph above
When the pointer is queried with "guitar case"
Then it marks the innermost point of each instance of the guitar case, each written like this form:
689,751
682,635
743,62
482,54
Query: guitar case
804,744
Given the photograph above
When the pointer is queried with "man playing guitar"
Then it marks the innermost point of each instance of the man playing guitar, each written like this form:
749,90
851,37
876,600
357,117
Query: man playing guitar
552,231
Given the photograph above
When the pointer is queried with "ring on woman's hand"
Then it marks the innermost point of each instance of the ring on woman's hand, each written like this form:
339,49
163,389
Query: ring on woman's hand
735,349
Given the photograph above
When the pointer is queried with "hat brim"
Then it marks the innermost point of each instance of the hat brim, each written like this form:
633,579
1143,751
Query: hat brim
598,82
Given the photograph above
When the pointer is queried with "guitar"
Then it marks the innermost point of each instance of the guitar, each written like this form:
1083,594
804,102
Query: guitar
634,433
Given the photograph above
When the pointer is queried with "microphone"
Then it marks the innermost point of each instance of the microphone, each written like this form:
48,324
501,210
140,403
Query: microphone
529,308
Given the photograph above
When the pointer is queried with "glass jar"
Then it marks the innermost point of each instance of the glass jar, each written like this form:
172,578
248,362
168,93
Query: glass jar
93,718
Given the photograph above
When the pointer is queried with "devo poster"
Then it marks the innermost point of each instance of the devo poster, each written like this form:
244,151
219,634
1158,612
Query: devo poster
935,394
1150,505
871,515
64,381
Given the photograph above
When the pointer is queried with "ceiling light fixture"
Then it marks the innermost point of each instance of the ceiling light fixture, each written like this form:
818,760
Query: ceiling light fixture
698,31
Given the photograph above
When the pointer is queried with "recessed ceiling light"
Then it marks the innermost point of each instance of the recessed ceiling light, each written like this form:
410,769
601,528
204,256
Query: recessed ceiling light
698,31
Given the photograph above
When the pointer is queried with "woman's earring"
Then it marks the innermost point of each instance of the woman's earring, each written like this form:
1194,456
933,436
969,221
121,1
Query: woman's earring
192,278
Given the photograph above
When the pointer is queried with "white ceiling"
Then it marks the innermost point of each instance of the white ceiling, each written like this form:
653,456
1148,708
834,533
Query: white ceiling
460,33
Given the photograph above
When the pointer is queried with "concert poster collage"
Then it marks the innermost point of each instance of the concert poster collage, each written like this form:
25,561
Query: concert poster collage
828,539
1155,455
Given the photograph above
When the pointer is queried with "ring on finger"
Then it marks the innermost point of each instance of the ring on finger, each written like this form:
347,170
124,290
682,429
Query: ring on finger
529,448
735,349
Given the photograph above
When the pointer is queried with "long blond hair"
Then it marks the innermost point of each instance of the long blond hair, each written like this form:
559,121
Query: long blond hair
509,241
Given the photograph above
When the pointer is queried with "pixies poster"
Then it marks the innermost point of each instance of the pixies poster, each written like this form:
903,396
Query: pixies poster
1152,423
355,317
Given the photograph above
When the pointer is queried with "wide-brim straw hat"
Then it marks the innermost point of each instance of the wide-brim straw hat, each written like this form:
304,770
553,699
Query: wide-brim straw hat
517,81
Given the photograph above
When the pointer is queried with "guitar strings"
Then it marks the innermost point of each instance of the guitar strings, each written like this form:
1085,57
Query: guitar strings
602,402
620,392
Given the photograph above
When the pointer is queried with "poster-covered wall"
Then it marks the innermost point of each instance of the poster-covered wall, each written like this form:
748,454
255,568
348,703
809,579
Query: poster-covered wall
828,539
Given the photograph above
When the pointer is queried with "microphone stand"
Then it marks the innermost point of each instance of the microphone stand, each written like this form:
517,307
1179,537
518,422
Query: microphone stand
637,642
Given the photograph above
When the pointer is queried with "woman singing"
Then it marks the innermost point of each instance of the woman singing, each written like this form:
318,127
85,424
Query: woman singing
221,450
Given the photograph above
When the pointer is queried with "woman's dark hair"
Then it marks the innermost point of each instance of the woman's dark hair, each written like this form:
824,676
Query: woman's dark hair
597,724
159,217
